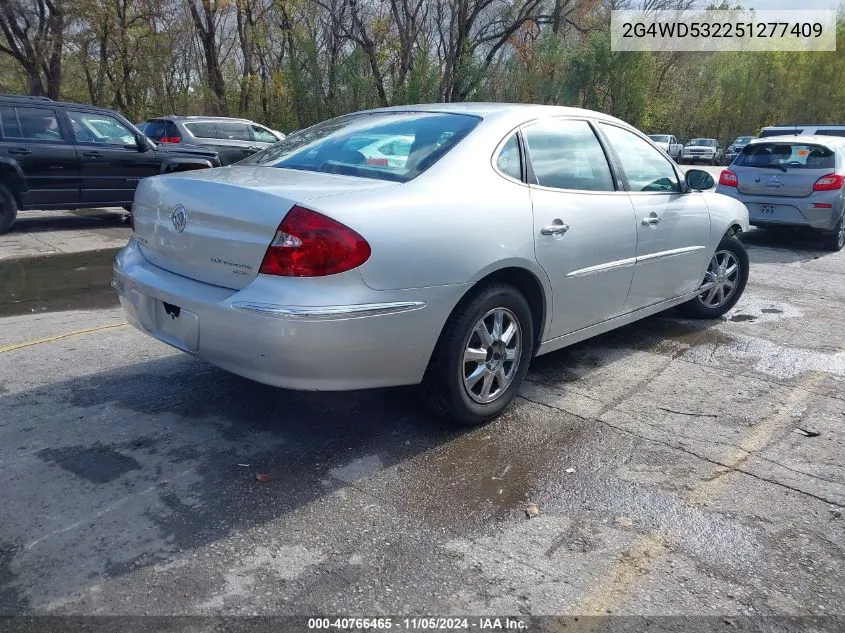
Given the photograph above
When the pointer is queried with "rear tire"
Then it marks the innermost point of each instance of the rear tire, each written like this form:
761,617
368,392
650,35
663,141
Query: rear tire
8,209
473,375
835,240
728,283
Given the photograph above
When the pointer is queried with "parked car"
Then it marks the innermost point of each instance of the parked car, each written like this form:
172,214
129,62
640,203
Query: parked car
803,129
735,148
792,181
56,155
668,144
232,139
702,150
507,232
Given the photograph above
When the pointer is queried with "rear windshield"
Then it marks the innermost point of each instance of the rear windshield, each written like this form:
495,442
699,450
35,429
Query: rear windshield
395,146
786,155
659,139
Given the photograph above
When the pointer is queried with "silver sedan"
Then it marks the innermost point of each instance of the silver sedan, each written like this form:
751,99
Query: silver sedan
508,231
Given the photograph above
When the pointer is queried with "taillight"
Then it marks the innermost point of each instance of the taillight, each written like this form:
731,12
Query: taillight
831,182
170,139
728,178
308,244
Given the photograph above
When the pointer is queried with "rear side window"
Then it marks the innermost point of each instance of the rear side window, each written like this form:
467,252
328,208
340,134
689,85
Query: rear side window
509,161
203,129
37,124
781,132
349,144
567,155
786,156
233,131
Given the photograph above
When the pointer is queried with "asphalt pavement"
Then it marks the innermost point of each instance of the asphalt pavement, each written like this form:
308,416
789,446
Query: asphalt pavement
679,468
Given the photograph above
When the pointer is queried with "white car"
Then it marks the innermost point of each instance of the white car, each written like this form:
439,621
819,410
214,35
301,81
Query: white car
702,150
507,232
668,144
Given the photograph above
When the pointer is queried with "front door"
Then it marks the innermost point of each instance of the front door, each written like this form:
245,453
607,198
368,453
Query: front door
110,160
584,232
673,227
34,139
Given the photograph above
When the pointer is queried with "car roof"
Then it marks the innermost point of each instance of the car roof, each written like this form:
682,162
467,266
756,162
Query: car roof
502,111
810,139
820,126
26,100
197,118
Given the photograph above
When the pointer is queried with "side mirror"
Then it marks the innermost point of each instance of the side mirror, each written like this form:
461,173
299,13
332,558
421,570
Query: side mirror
141,143
699,180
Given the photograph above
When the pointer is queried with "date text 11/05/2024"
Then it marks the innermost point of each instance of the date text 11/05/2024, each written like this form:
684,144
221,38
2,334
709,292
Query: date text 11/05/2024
419,624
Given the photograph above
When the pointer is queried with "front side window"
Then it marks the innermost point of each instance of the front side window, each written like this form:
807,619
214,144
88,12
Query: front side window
349,144
100,129
567,155
263,135
37,124
646,168
509,161
786,156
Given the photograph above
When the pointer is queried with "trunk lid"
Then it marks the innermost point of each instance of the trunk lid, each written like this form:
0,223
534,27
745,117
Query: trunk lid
767,181
214,225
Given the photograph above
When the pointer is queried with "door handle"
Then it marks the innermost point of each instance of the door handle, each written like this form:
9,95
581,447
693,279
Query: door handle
92,154
20,151
557,227
651,220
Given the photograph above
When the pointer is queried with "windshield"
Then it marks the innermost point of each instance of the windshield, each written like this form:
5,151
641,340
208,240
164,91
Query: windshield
659,138
704,142
355,145
786,156
742,140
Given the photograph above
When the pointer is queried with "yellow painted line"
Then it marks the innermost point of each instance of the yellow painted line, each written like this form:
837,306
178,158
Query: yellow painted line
39,341
643,554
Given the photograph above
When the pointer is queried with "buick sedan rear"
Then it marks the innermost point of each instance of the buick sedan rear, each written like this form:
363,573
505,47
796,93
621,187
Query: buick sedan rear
503,233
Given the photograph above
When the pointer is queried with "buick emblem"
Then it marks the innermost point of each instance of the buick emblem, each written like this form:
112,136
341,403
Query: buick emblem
179,218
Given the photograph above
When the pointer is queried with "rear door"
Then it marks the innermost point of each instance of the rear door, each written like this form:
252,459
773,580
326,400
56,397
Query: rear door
35,138
110,160
584,232
231,139
673,228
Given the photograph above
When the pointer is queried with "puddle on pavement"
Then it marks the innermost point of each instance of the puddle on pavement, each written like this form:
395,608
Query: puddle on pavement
66,279
742,318
489,472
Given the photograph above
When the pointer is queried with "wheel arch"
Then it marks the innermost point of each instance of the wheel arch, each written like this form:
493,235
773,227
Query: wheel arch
12,177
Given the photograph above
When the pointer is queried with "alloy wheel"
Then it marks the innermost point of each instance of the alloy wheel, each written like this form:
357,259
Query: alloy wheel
491,356
720,280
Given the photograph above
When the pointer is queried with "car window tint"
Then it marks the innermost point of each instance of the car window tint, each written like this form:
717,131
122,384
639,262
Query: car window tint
233,131
172,130
567,155
9,123
788,155
153,129
38,124
646,168
831,132
263,135
203,129
91,127
508,161
350,144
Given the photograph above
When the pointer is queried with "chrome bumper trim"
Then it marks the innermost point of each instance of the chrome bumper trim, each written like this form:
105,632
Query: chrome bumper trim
329,313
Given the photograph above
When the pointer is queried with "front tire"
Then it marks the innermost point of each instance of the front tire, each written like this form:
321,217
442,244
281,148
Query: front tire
482,356
8,209
724,281
835,241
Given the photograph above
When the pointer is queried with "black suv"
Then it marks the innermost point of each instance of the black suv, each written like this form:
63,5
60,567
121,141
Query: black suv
56,155
232,139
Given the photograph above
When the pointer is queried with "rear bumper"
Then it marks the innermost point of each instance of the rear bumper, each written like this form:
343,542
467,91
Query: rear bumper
785,211
385,340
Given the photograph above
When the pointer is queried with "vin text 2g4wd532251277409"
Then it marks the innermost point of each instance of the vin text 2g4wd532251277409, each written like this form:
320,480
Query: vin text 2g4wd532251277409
506,231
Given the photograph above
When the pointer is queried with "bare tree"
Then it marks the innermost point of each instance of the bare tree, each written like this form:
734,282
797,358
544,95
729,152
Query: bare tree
34,35
207,17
